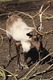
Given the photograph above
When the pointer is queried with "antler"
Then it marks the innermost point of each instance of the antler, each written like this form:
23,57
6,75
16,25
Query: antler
40,13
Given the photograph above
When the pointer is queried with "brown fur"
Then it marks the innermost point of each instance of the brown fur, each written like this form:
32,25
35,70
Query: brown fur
13,18
35,41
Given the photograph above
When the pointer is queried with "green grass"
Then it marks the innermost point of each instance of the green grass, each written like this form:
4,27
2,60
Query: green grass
18,0
25,0
5,0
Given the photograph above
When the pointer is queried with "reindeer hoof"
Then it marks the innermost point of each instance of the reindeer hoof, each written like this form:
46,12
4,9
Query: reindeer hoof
18,68
25,66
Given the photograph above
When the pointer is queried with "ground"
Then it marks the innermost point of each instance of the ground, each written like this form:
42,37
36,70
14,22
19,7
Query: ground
33,54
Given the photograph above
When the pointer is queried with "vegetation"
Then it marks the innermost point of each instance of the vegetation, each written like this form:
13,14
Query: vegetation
18,0
5,0
33,72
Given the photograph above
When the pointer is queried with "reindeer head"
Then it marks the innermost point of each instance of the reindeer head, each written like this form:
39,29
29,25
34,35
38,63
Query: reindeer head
36,39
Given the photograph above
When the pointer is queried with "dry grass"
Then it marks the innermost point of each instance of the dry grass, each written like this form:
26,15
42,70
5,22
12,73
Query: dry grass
37,65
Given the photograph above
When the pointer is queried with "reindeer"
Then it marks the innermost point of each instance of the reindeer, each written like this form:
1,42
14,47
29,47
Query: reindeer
19,31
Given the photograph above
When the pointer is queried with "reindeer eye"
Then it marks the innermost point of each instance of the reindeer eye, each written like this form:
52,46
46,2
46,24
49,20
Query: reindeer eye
29,34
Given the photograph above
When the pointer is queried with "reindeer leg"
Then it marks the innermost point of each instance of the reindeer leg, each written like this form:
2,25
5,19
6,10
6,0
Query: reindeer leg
9,47
23,61
9,55
17,45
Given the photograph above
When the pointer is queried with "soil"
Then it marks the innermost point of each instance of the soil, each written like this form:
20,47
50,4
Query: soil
32,55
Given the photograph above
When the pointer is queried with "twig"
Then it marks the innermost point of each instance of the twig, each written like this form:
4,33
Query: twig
2,74
46,17
4,30
45,9
40,27
40,11
26,14
9,73
48,32
42,72
32,69
41,14
48,62
51,78
30,16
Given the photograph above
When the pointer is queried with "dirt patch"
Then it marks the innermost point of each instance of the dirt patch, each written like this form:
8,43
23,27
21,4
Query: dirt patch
33,54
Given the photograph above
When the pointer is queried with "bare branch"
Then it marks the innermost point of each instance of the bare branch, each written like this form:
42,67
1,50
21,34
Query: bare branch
4,30
48,32
45,9
41,9
51,78
42,72
40,15
46,17
35,67
9,72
